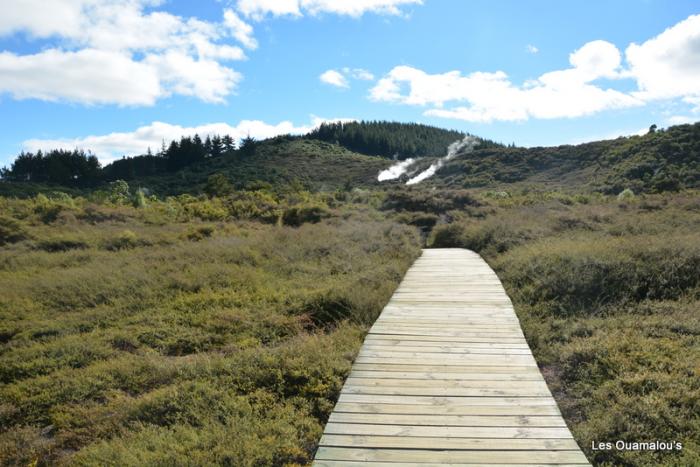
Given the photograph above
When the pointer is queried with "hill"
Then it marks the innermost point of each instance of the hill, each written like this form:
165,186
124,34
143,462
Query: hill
663,160
277,162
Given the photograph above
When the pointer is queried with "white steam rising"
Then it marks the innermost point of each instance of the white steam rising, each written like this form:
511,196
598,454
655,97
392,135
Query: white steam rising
395,171
463,146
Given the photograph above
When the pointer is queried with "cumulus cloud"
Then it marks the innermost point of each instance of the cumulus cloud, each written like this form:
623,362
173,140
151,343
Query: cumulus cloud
664,67
668,65
531,49
334,78
115,145
242,31
492,96
58,75
259,9
119,51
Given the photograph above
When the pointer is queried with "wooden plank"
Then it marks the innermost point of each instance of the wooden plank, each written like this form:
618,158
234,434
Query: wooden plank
483,457
414,442
371,340
464,369
448,420
451,409
355,380
442,377
464,357
445,431
446,391
445,400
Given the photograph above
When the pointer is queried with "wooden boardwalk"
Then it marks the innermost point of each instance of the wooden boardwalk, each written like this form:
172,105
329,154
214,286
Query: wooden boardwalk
445,377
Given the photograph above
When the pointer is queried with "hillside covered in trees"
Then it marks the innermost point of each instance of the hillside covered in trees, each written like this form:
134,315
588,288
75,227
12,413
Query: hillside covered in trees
388,139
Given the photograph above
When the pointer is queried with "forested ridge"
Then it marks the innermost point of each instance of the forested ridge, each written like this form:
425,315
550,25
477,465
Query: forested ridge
388,139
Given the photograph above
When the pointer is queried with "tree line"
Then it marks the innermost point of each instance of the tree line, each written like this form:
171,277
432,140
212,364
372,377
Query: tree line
390,139
80,168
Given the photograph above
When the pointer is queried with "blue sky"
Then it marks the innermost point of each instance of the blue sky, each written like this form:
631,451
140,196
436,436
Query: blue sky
118,76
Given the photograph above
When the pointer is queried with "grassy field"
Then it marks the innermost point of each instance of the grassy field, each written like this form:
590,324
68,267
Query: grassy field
145,336
608,293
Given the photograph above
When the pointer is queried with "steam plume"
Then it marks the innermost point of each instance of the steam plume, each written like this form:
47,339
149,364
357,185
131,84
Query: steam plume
462,146
396,170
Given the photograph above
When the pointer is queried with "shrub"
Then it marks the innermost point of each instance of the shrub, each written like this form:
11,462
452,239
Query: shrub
218,185
298,215
139,199
625,195
46,209
118,192
57,244
11,231
200,233
486,238
125,240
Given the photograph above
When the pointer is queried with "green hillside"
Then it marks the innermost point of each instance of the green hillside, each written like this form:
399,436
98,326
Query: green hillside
314,165
664,160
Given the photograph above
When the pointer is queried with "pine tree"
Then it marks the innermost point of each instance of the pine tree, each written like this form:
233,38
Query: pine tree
247,146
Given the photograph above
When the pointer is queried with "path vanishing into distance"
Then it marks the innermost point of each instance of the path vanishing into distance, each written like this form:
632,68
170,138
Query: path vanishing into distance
445,377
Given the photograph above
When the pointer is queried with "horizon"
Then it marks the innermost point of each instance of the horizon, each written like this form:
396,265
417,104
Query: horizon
85,75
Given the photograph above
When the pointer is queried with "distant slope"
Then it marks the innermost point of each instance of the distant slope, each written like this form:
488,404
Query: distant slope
279,161
665,160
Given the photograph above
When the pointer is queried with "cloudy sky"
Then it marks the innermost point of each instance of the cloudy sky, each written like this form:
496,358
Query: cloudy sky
119,76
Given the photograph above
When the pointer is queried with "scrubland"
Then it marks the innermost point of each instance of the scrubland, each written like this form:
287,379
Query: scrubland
190,328
139,331
607,290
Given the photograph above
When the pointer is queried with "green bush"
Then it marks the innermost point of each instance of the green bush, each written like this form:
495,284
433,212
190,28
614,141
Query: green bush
218,185
11,231
65,243
572,279
625,195
297,215
200,233
125,240
484,238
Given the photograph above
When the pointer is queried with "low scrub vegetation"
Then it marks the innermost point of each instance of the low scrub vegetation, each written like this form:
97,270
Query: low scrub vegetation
608,293
218,330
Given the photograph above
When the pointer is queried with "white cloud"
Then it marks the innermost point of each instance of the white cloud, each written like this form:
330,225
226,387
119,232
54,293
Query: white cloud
531,49
242,31
359,73
664,67
258,9
207,80
57,75
334,78
114,145
668,65
341,79
119,51
491,96
681,119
